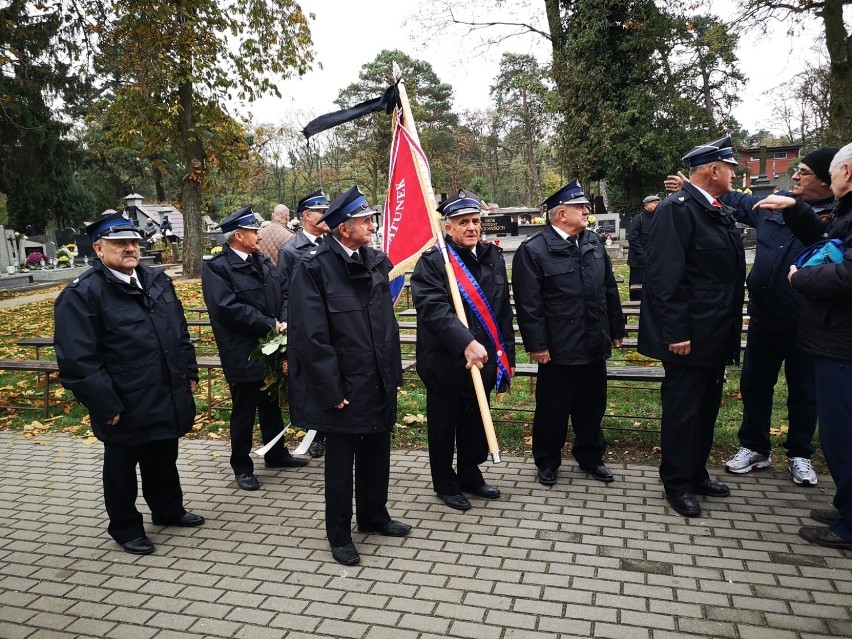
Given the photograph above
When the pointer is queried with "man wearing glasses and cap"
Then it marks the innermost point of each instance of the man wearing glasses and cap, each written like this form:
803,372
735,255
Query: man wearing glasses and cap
345,370
123,349
570,317
243,297
447,349
692,301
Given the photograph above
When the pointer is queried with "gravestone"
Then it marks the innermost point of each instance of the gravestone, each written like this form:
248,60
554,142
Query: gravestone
499,225
84,246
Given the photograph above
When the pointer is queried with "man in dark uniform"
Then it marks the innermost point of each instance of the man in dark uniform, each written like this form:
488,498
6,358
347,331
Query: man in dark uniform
570,317
637,240
309,237
773,309
692,302
446,348
243,297
123,349
345,370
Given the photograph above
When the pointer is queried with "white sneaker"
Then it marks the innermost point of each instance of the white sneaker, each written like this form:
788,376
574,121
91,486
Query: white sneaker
802,471
747,460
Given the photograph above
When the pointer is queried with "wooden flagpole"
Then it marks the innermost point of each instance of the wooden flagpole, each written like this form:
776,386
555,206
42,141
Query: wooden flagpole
435,221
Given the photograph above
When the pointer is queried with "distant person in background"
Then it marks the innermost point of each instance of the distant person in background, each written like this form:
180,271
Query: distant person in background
166,226
637,242
149,231
276,234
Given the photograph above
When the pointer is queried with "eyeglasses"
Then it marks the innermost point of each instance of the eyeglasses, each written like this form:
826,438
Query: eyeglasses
803,173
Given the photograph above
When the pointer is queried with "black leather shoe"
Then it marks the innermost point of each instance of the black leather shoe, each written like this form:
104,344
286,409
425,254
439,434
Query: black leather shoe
459,502
247,481
287,461
187,520
316,449
686,505
486,491
826,517
546,476
712,489
824,537
599,472
139,546
390,529
346,555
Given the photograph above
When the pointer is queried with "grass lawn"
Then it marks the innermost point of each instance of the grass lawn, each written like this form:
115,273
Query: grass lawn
631,421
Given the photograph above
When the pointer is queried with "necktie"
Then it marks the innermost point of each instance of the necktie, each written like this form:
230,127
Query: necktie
357,256
717,204
134,282
318,242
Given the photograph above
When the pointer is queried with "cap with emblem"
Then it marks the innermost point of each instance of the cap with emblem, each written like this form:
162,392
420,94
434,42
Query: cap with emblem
571,193
461,203
316,200
350,204
242,219
115,226
650,198
720,150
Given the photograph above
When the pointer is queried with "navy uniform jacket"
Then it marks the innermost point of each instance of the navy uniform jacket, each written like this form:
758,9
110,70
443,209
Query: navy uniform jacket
288,255
694,286
825,327
637,240
243,304
125,351
343,342
566,297
771,300
441,337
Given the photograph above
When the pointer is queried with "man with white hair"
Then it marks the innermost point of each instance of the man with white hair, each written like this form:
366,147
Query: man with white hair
825,331
570,318
692,300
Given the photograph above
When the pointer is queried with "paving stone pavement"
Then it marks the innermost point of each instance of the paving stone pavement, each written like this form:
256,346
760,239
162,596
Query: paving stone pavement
579,559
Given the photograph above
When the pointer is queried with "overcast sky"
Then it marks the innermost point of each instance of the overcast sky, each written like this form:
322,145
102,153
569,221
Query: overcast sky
348,34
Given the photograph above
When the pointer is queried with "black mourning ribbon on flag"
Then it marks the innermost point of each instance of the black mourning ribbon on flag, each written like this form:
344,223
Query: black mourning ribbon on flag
387,103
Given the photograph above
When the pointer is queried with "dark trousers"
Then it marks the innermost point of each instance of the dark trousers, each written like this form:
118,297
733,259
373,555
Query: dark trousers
454,421
248,399
369,455
160,486
766,350
637,277
577,393
834,403
691,396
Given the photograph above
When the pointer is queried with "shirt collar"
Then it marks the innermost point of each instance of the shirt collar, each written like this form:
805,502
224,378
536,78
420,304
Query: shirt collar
709,197
124,278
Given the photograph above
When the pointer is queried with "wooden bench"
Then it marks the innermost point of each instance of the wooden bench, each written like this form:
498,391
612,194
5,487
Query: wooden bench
47,367
38,343
39,366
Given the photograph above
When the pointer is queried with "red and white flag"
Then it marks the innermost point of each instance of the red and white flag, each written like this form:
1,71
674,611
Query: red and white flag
406,230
